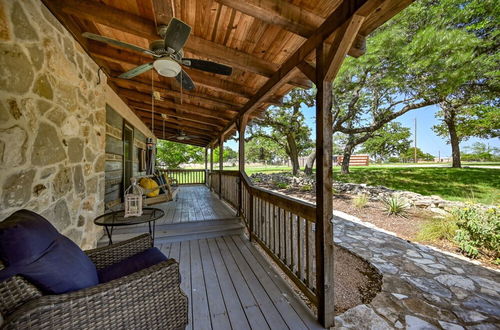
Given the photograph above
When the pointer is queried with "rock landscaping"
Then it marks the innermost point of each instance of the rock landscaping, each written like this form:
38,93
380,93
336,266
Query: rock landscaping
422,288
434,204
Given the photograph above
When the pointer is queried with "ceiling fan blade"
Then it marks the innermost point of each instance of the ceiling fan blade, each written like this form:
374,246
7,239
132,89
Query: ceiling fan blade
176,34
207,66
136,71
118,43
187,82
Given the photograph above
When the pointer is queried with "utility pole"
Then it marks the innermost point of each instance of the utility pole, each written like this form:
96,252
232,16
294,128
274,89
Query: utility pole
415,148
439,156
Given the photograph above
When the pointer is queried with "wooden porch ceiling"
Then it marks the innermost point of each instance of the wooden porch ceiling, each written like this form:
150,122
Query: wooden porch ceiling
267,42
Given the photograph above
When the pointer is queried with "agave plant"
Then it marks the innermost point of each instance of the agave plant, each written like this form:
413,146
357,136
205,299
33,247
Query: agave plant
396,205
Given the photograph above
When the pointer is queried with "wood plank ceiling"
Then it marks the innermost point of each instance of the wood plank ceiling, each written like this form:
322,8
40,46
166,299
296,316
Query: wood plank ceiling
255,37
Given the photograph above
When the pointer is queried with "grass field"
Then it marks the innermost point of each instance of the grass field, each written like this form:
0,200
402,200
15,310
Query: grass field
480,185
467,184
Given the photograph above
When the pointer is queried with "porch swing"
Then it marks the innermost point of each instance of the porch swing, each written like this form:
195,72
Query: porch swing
157,188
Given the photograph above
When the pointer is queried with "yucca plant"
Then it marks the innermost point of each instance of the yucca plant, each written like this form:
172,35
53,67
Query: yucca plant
396,205
360,201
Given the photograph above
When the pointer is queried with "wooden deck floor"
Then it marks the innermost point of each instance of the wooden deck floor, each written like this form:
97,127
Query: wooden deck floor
229,283
231,286
194,203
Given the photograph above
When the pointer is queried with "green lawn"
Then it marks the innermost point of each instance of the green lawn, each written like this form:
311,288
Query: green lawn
466,184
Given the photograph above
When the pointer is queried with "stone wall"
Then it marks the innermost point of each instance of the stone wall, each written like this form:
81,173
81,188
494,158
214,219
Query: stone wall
52,122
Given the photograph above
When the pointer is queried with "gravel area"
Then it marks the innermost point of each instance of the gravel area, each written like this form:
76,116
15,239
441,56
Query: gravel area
356,281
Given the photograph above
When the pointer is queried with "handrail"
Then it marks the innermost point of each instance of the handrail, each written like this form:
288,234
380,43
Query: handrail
283,226
186,176
303,209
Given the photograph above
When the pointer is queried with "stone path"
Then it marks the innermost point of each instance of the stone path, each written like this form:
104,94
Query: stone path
422,288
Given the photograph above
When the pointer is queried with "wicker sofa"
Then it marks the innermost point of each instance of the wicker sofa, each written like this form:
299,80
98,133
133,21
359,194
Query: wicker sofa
147,299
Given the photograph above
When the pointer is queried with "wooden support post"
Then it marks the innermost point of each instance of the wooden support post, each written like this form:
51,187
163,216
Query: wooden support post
324,207
241,160
221,163
211,166
250,217
206,165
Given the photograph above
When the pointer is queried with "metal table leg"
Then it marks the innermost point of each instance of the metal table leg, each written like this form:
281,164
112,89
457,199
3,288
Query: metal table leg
109,233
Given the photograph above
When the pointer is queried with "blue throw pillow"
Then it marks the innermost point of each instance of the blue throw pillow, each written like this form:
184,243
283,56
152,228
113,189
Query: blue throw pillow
31,247
24,236
130,265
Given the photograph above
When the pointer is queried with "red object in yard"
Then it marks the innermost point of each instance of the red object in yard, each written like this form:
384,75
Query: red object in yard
355,160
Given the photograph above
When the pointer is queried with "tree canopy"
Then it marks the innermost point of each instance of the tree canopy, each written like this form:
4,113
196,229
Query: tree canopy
285,126
433,53
173,154
392,139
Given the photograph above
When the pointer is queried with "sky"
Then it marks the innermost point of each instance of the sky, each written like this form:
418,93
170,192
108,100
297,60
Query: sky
427,140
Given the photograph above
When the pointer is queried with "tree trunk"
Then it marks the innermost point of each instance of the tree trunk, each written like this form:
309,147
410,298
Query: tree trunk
309,163
293,154
349,147
449,119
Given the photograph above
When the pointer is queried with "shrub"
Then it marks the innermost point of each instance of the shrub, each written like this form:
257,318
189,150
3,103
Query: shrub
360,200
396,205
437,229
306,187
281,185
478,231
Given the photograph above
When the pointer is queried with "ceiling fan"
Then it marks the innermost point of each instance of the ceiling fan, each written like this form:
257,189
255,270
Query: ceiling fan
183,137
168,54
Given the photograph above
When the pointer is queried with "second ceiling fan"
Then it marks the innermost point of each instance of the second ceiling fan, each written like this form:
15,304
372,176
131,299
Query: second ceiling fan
168,55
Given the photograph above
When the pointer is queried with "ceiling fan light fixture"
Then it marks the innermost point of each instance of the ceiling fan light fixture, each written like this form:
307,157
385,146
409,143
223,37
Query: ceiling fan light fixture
167,67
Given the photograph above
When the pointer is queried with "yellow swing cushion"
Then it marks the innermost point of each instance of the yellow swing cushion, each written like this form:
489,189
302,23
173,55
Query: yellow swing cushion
150,184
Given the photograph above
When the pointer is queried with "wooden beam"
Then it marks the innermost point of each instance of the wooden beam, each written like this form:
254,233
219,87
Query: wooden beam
308,70
324,206
218,124
289,17
221,164
121,20
188,130
341,44
144,84
241,160
211,158
163,12
331,23
146,98
172,118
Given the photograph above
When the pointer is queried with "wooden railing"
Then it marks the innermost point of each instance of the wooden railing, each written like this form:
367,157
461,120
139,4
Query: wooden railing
282,226
186,176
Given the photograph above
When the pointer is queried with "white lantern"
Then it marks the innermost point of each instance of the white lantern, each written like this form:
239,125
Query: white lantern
133,200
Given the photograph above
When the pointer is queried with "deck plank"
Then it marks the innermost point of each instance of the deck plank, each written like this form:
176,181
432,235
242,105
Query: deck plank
185,270
217,307
266,305
237,316
250,305
201,314
293,311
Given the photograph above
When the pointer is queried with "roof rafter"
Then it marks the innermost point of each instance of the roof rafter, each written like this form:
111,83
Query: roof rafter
146,108
144,85
143,97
